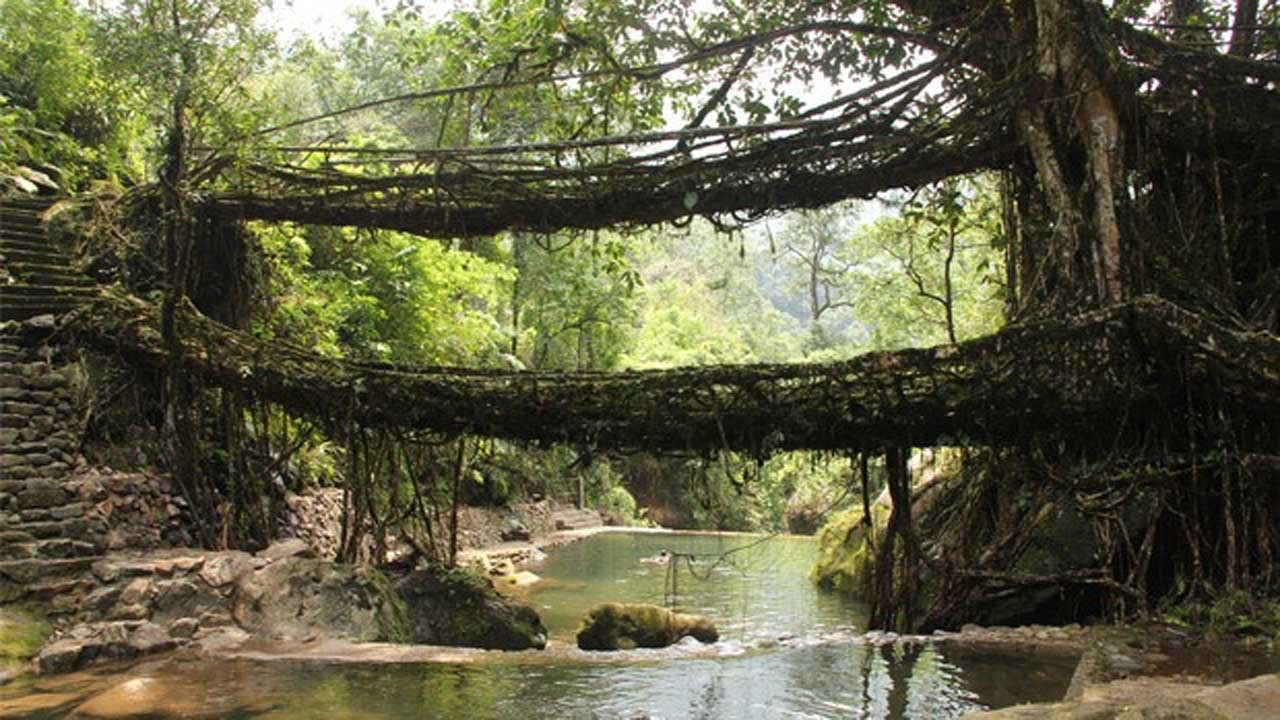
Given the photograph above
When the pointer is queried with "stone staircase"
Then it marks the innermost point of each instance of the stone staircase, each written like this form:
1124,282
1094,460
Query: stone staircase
46,540
36,278
576,519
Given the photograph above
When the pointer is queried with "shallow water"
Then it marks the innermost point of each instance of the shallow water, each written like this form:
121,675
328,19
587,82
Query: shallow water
818,671
754,588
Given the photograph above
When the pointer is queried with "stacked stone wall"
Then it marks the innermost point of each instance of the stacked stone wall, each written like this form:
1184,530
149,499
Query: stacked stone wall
47,534
59,514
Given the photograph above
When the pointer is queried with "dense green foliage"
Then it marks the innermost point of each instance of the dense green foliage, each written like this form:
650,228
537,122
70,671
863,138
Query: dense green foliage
808,287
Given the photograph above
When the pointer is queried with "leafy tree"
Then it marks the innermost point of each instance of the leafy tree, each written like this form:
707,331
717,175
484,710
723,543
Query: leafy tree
572,303
814,248
64,114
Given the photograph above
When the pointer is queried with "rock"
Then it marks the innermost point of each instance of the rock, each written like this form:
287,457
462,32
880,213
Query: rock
1157,699
42,322
458,607
292,547
299,598
150,638
60,656
66,512
220,638
1255,698
101,599
137,592
624,626
40,494
225,568
135,611
175,594
35,704
184,627
513,530
516,580
103,641
1123,664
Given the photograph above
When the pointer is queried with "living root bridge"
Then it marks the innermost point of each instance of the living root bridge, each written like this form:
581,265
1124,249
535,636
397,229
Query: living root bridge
1091,376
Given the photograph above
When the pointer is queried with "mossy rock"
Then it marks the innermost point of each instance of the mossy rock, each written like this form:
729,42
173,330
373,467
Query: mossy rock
460,607
625,626
846,550
22,633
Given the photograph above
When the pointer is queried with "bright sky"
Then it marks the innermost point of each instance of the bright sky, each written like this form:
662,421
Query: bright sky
328,18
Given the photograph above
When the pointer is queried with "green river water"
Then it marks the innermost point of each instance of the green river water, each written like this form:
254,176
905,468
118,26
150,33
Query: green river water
787,650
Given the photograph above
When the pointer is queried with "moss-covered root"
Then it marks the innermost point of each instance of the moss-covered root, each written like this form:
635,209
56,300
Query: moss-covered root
624,626
22,632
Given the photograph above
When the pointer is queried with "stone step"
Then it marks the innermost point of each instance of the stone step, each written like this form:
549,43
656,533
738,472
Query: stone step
26,228
14,537
576,519
23,233
15,213
28,572
38,256
49,589
21,308
49,549
11,353
46,529
10,223
33,274
21,290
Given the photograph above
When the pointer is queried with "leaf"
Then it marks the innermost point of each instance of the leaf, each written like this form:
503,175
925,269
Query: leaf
690,199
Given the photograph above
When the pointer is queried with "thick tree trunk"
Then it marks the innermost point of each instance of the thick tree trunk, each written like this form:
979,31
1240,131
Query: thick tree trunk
1072,129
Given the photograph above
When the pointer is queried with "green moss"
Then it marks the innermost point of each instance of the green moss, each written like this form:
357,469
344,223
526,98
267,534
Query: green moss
846,551
1238,614
460,607
22,633
393,618
624,626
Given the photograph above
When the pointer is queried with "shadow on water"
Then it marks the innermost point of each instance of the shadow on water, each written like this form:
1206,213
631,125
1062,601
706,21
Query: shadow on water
818,672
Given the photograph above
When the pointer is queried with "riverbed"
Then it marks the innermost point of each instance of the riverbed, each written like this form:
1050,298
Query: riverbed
787,650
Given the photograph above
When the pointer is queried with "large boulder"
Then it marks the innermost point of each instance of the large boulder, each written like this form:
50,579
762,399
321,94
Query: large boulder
300,598
460,607
625,626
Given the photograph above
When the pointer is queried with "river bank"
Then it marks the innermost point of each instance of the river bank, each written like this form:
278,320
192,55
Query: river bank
764,660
